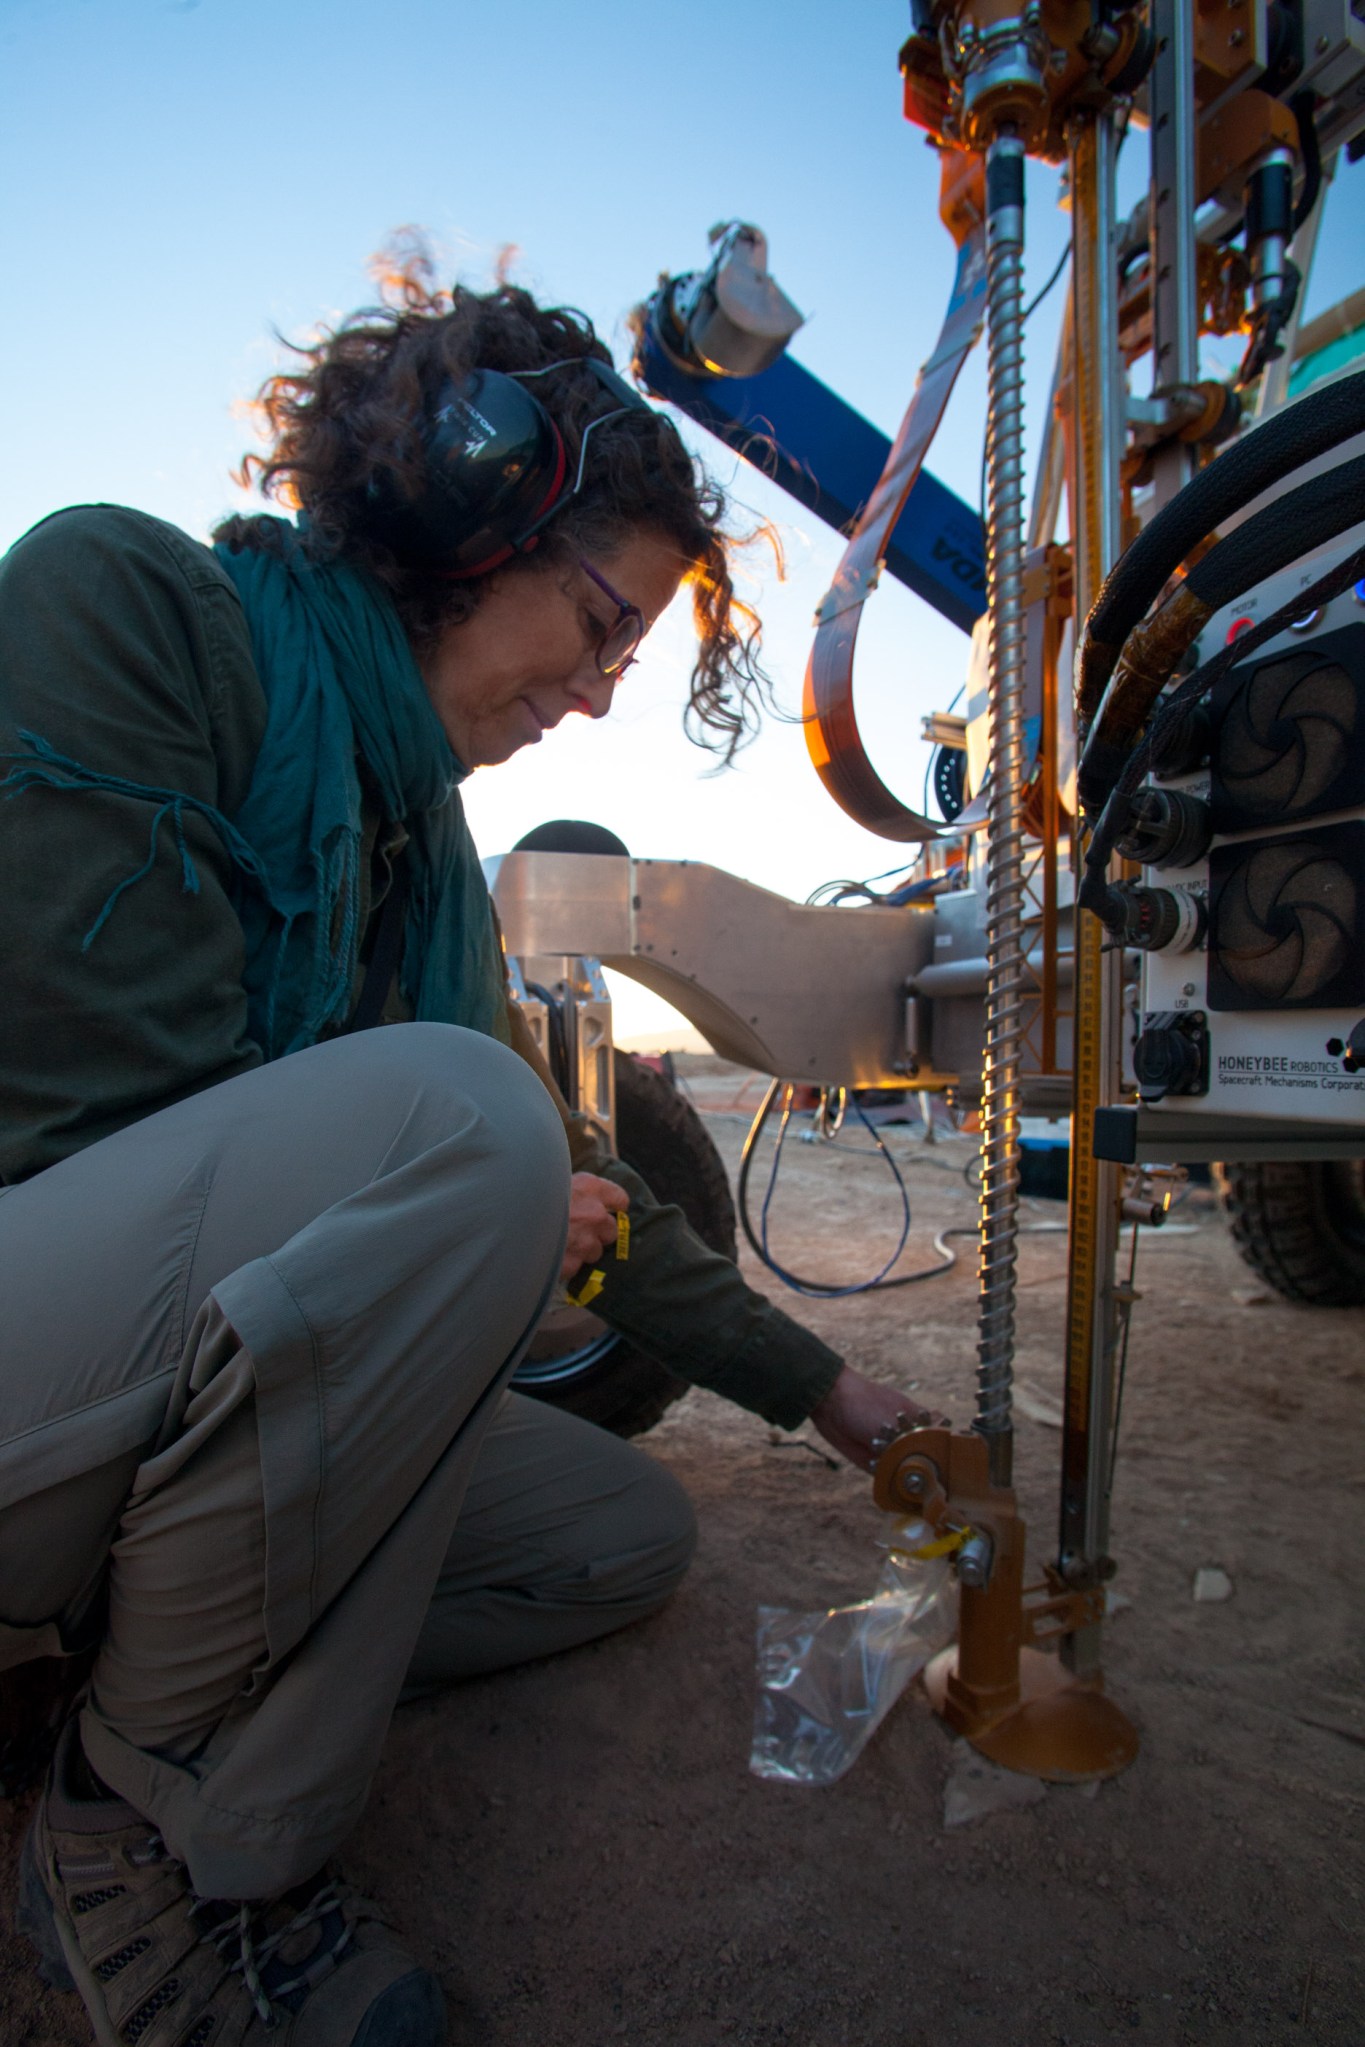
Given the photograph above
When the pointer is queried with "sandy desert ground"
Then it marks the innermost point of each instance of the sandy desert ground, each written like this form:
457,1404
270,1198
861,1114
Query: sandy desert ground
580,1850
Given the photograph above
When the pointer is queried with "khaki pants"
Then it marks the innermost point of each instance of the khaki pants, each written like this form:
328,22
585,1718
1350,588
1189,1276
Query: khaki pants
254,1438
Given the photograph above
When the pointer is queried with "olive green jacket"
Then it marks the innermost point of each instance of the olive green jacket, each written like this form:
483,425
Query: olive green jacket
124,645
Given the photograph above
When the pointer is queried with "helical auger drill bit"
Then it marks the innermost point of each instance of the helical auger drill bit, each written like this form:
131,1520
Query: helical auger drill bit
1004,860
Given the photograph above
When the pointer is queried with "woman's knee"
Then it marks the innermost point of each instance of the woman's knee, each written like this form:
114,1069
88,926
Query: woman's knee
446,1080
559,1511
555,1580
651,1543
454,1102
373,1155
674,1520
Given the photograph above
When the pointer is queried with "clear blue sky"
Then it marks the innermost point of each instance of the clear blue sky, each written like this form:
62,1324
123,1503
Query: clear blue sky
181,179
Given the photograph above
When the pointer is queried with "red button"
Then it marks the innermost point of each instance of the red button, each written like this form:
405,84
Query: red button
1237,628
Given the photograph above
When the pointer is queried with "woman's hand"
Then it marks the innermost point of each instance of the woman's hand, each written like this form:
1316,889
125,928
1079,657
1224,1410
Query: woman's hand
593,1208
856,1409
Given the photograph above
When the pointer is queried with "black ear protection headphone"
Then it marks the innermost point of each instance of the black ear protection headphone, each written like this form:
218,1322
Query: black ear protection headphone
495,470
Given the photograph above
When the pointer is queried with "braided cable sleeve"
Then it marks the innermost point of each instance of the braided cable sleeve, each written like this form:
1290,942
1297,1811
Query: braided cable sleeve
1116,814
1294,525
1305,430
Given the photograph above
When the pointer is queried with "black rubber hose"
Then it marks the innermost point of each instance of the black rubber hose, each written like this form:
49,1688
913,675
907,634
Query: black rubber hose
1301,107
1294,525
1118,811
1322,420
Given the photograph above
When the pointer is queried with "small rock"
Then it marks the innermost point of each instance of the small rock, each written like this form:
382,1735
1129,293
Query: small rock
1251,1296
976,1788
1211,1585
1038,1406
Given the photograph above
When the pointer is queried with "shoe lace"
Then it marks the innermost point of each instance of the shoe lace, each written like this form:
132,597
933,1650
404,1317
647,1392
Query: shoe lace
248,1949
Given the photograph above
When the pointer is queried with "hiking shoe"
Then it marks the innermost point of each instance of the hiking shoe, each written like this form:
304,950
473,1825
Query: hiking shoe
112,1915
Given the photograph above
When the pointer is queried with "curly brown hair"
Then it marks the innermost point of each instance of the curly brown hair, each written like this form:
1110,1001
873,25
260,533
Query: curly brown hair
343,423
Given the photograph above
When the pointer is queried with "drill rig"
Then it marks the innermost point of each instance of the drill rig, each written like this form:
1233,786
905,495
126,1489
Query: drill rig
1149,907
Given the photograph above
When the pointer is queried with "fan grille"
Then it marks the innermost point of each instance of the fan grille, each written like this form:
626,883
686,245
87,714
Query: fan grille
1289,735
1287,921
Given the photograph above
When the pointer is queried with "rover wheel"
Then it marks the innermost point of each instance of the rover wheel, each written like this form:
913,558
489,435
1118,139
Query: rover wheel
1301,1226
574,1360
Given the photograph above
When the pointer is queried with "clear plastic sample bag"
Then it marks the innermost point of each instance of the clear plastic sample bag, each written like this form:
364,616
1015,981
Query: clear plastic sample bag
826,1681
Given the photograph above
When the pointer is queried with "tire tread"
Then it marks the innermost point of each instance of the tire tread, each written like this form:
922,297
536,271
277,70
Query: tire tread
1300,1226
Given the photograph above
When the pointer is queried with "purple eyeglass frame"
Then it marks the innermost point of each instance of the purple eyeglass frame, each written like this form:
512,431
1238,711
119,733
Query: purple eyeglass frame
625,610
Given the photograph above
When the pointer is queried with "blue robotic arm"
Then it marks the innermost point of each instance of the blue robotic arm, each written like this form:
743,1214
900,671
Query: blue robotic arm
793,427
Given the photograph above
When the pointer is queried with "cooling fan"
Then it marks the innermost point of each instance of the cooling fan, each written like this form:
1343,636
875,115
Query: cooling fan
1287,921
1289,735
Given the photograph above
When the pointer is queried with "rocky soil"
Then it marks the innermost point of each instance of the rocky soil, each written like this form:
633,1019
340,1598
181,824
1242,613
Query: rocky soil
578,1845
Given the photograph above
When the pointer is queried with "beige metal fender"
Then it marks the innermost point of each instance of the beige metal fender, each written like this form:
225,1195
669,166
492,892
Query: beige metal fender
804,993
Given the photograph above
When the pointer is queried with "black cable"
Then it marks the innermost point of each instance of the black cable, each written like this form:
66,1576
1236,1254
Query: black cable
1039,296
1115,815
1301,107
1296,524
825,1290
1329,585
1312,426
830,894
821,1289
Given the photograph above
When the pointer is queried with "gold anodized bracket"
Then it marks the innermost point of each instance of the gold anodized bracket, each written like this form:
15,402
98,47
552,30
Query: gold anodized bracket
998,1686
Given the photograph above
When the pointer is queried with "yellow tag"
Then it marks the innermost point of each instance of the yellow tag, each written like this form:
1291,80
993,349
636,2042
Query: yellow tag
622,1236
590,1289
944,1547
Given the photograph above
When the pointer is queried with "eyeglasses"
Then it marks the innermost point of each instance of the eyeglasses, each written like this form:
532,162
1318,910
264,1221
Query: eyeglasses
616,649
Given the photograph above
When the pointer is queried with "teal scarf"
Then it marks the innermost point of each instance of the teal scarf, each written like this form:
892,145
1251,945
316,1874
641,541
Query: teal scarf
340,681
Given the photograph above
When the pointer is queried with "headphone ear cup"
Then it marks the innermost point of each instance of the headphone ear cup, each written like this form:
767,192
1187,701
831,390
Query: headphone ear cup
493,464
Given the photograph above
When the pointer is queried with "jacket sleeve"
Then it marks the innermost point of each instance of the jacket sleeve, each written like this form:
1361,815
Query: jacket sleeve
683,1303
124,648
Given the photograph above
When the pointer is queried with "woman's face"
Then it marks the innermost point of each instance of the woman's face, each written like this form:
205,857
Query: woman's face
502,678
